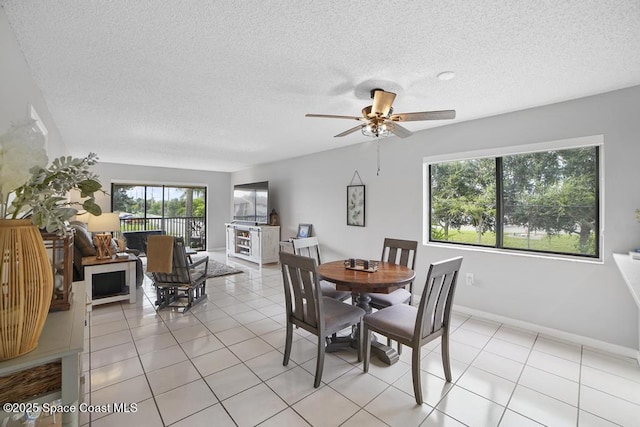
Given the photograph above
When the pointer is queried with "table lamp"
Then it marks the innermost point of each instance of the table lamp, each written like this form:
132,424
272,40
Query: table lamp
103,225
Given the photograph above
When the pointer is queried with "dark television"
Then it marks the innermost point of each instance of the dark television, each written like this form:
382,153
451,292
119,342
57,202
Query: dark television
251,202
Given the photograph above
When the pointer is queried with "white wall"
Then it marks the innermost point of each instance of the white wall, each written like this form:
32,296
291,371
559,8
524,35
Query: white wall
587,299
217,184
18,90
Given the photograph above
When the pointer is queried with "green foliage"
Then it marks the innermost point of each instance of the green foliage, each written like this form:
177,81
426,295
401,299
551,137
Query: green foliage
437,233
121,201
554,192
463,193
43,196
190,203
198,207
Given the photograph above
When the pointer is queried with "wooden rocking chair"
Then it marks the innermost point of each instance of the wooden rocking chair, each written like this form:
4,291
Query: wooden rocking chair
178,281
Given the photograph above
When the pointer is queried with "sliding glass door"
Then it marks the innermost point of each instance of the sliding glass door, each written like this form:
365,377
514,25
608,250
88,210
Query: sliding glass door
177,211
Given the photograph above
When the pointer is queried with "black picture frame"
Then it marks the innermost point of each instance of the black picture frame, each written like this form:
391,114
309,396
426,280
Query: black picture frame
356,205
304,230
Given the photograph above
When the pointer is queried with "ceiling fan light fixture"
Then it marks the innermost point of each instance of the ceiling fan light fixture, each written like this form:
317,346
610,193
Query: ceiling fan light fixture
379,120
377,130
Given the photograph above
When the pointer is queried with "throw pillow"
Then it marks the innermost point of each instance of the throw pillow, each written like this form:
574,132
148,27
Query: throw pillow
83,241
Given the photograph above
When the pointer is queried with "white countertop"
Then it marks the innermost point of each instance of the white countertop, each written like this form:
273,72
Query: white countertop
630,269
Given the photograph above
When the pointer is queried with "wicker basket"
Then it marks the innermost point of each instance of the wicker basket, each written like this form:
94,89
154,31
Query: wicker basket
30,383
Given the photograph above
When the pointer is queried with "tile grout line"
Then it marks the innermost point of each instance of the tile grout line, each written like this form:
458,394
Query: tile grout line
579,385
467,368
517,382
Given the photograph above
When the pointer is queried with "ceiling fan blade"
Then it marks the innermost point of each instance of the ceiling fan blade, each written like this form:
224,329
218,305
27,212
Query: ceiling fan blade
382,103
331,116
425,115
350,131
400,131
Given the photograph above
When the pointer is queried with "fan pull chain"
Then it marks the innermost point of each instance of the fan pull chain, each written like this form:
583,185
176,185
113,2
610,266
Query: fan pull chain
378,149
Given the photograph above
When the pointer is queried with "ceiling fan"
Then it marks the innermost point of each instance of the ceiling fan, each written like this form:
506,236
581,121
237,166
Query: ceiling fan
379,120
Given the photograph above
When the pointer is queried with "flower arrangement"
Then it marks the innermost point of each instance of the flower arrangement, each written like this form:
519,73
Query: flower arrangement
30,189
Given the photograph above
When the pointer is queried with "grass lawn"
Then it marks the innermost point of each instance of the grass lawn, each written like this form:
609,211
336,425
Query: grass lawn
564,243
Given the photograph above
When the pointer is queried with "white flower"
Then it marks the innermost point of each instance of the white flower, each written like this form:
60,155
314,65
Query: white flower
21,148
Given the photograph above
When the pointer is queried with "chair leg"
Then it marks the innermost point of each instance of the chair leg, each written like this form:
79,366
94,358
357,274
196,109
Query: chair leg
287,344
162,297
319,362
360,340
446,363
366,348
415,373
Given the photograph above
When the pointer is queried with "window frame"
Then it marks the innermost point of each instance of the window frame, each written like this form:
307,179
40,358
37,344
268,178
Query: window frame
494,153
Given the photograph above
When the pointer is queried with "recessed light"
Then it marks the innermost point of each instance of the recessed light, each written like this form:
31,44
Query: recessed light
446,75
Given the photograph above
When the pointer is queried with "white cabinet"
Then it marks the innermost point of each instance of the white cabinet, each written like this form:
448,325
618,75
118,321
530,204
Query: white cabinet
255,243
94,268
231,238
255,237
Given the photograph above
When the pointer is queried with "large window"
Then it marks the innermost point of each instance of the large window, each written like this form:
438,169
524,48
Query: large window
545,201
178,211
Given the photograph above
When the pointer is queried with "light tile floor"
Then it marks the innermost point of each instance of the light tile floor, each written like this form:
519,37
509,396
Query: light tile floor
221,364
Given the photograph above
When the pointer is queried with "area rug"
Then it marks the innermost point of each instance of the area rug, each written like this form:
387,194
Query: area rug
217,269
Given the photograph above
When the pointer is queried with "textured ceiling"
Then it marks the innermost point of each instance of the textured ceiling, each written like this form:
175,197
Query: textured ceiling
223,85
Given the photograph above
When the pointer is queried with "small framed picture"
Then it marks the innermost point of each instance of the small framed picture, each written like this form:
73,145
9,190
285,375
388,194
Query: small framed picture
304,230
355,205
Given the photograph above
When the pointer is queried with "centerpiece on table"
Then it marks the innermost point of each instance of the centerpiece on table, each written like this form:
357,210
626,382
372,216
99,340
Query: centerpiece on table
33,196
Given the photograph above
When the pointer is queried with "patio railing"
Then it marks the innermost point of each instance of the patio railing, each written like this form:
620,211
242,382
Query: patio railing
191,229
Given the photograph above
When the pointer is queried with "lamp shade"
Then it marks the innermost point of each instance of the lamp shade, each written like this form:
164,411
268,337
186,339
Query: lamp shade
104,223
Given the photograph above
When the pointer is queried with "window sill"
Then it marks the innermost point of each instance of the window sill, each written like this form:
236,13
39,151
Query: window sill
553,257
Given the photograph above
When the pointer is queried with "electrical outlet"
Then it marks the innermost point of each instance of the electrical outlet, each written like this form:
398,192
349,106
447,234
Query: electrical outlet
469,279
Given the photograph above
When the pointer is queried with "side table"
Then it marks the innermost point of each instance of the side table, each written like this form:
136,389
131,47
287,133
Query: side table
61,342
93,267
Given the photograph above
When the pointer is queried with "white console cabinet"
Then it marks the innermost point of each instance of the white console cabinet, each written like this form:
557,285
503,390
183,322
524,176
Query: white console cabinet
255,243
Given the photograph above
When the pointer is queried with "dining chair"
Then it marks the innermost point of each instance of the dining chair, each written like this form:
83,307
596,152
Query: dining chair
416,327
178,281
308,309
401,252
310,247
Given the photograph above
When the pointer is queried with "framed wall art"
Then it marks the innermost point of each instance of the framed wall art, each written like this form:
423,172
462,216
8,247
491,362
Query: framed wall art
304,230
355,205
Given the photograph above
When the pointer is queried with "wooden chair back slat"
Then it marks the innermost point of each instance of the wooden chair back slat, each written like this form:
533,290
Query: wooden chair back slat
309,247
434,312
302,294
401,252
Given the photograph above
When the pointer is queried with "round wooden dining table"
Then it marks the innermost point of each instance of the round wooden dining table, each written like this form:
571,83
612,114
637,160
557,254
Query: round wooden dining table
386,279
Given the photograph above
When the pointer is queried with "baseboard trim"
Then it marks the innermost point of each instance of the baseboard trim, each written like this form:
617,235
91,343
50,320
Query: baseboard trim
567,336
